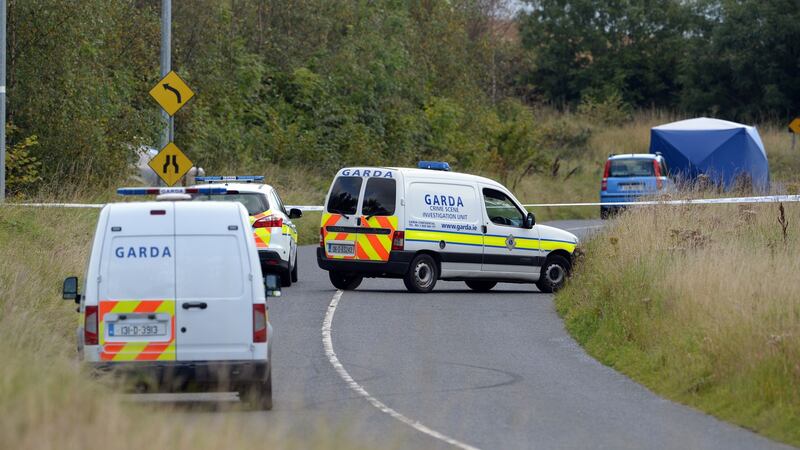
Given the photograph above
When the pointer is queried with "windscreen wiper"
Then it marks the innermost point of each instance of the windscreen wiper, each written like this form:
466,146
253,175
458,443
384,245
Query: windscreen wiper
336,211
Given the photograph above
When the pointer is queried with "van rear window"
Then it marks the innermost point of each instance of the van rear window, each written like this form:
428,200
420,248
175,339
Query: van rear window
379,197
344,195
624,168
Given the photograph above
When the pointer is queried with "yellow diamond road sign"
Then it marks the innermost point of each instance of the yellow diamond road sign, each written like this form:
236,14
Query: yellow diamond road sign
171,93
170,164
794,127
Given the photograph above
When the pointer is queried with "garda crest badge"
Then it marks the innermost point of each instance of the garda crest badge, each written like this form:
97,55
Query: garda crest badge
510,242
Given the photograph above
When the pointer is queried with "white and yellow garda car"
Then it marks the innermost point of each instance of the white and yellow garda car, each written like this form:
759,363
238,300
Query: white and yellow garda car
174,295
427,224
273,230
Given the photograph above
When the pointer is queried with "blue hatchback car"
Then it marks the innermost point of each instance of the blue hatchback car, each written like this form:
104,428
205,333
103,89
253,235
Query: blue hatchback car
628,177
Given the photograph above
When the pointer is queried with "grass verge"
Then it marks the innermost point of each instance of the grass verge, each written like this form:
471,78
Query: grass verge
701,305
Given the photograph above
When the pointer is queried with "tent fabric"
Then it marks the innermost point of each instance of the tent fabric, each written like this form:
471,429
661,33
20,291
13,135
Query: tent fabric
722,150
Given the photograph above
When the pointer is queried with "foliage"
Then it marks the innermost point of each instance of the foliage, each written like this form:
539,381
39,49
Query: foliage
22,168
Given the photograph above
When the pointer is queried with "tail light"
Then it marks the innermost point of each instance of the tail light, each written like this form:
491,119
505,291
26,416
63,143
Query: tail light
657,170
606,172
399,240
322,237
270,221
90,325
259,322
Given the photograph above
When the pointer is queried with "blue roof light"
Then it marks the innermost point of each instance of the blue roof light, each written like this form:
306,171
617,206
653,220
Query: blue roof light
434,165
171,190
229,178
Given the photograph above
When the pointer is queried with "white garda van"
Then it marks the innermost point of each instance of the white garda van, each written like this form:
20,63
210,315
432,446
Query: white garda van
427,224
174,293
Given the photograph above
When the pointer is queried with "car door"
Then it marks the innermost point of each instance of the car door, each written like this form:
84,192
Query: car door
213,292
136,284
289,228
509,247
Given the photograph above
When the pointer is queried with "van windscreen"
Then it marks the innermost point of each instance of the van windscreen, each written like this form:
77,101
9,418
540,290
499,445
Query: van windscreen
344,195
625,168
254,203
379,197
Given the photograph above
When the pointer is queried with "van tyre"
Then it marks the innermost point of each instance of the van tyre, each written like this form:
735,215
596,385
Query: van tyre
555,271
422,274
345,281
258,395
480,285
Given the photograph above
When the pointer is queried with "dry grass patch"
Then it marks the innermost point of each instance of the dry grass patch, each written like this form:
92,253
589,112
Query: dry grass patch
702,305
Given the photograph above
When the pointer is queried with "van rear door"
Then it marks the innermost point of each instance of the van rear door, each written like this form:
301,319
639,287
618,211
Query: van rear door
136,286
213,283
339,220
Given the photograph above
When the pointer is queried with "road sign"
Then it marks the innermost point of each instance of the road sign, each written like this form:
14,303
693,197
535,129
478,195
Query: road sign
170,164
171,93
794,127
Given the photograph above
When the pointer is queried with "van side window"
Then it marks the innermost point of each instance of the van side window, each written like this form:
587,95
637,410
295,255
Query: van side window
344,195
501,209
379,197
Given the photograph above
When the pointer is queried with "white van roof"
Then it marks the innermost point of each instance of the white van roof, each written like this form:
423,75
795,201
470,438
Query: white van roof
427,173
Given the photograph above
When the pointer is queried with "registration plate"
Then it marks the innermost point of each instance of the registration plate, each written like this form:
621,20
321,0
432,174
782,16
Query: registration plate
137,329
342,249
631,187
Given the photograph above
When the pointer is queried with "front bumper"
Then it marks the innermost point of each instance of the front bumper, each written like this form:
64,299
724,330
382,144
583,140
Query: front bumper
396,267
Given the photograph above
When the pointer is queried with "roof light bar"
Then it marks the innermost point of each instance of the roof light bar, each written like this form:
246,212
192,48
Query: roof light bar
218,179
171,190
434,165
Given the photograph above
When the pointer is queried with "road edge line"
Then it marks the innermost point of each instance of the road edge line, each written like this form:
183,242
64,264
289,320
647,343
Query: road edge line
327,342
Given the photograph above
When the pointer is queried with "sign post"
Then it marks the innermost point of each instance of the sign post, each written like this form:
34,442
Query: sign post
794,128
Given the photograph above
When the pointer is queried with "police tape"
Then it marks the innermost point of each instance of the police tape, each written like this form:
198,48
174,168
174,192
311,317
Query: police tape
699,201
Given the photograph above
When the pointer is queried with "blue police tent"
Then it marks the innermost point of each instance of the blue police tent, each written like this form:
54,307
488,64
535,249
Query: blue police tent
724,151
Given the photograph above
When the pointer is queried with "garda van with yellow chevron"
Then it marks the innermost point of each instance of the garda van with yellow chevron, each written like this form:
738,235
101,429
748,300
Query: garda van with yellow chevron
174,295
428,224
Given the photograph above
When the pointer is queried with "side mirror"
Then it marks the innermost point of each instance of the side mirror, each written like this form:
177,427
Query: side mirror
530,220
272,285
70,289
295,213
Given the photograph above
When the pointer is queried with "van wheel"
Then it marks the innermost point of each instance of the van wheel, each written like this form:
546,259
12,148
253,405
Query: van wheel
422,274
555,271
258,395
345,281
481,286
294,271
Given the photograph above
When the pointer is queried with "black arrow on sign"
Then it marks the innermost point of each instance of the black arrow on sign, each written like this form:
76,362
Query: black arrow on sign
167,87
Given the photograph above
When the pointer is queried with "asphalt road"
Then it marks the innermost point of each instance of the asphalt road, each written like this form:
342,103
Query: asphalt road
490,371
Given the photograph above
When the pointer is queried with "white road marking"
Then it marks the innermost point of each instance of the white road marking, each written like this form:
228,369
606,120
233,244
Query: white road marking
327,342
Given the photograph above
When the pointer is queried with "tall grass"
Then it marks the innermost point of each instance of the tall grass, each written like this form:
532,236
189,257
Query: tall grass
700,304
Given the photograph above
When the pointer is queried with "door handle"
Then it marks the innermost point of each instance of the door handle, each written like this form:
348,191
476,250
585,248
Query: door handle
201,305
484,229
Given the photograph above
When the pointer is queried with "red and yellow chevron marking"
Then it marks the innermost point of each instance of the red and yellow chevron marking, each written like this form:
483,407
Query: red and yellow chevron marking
137,351
329,220
261,235
376,247
369,247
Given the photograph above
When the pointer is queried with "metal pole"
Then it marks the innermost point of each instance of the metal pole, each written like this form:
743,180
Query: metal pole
2,100
166,61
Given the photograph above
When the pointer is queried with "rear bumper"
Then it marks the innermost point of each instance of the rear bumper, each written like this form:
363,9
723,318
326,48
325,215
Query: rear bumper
174,373
272,262
397,266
